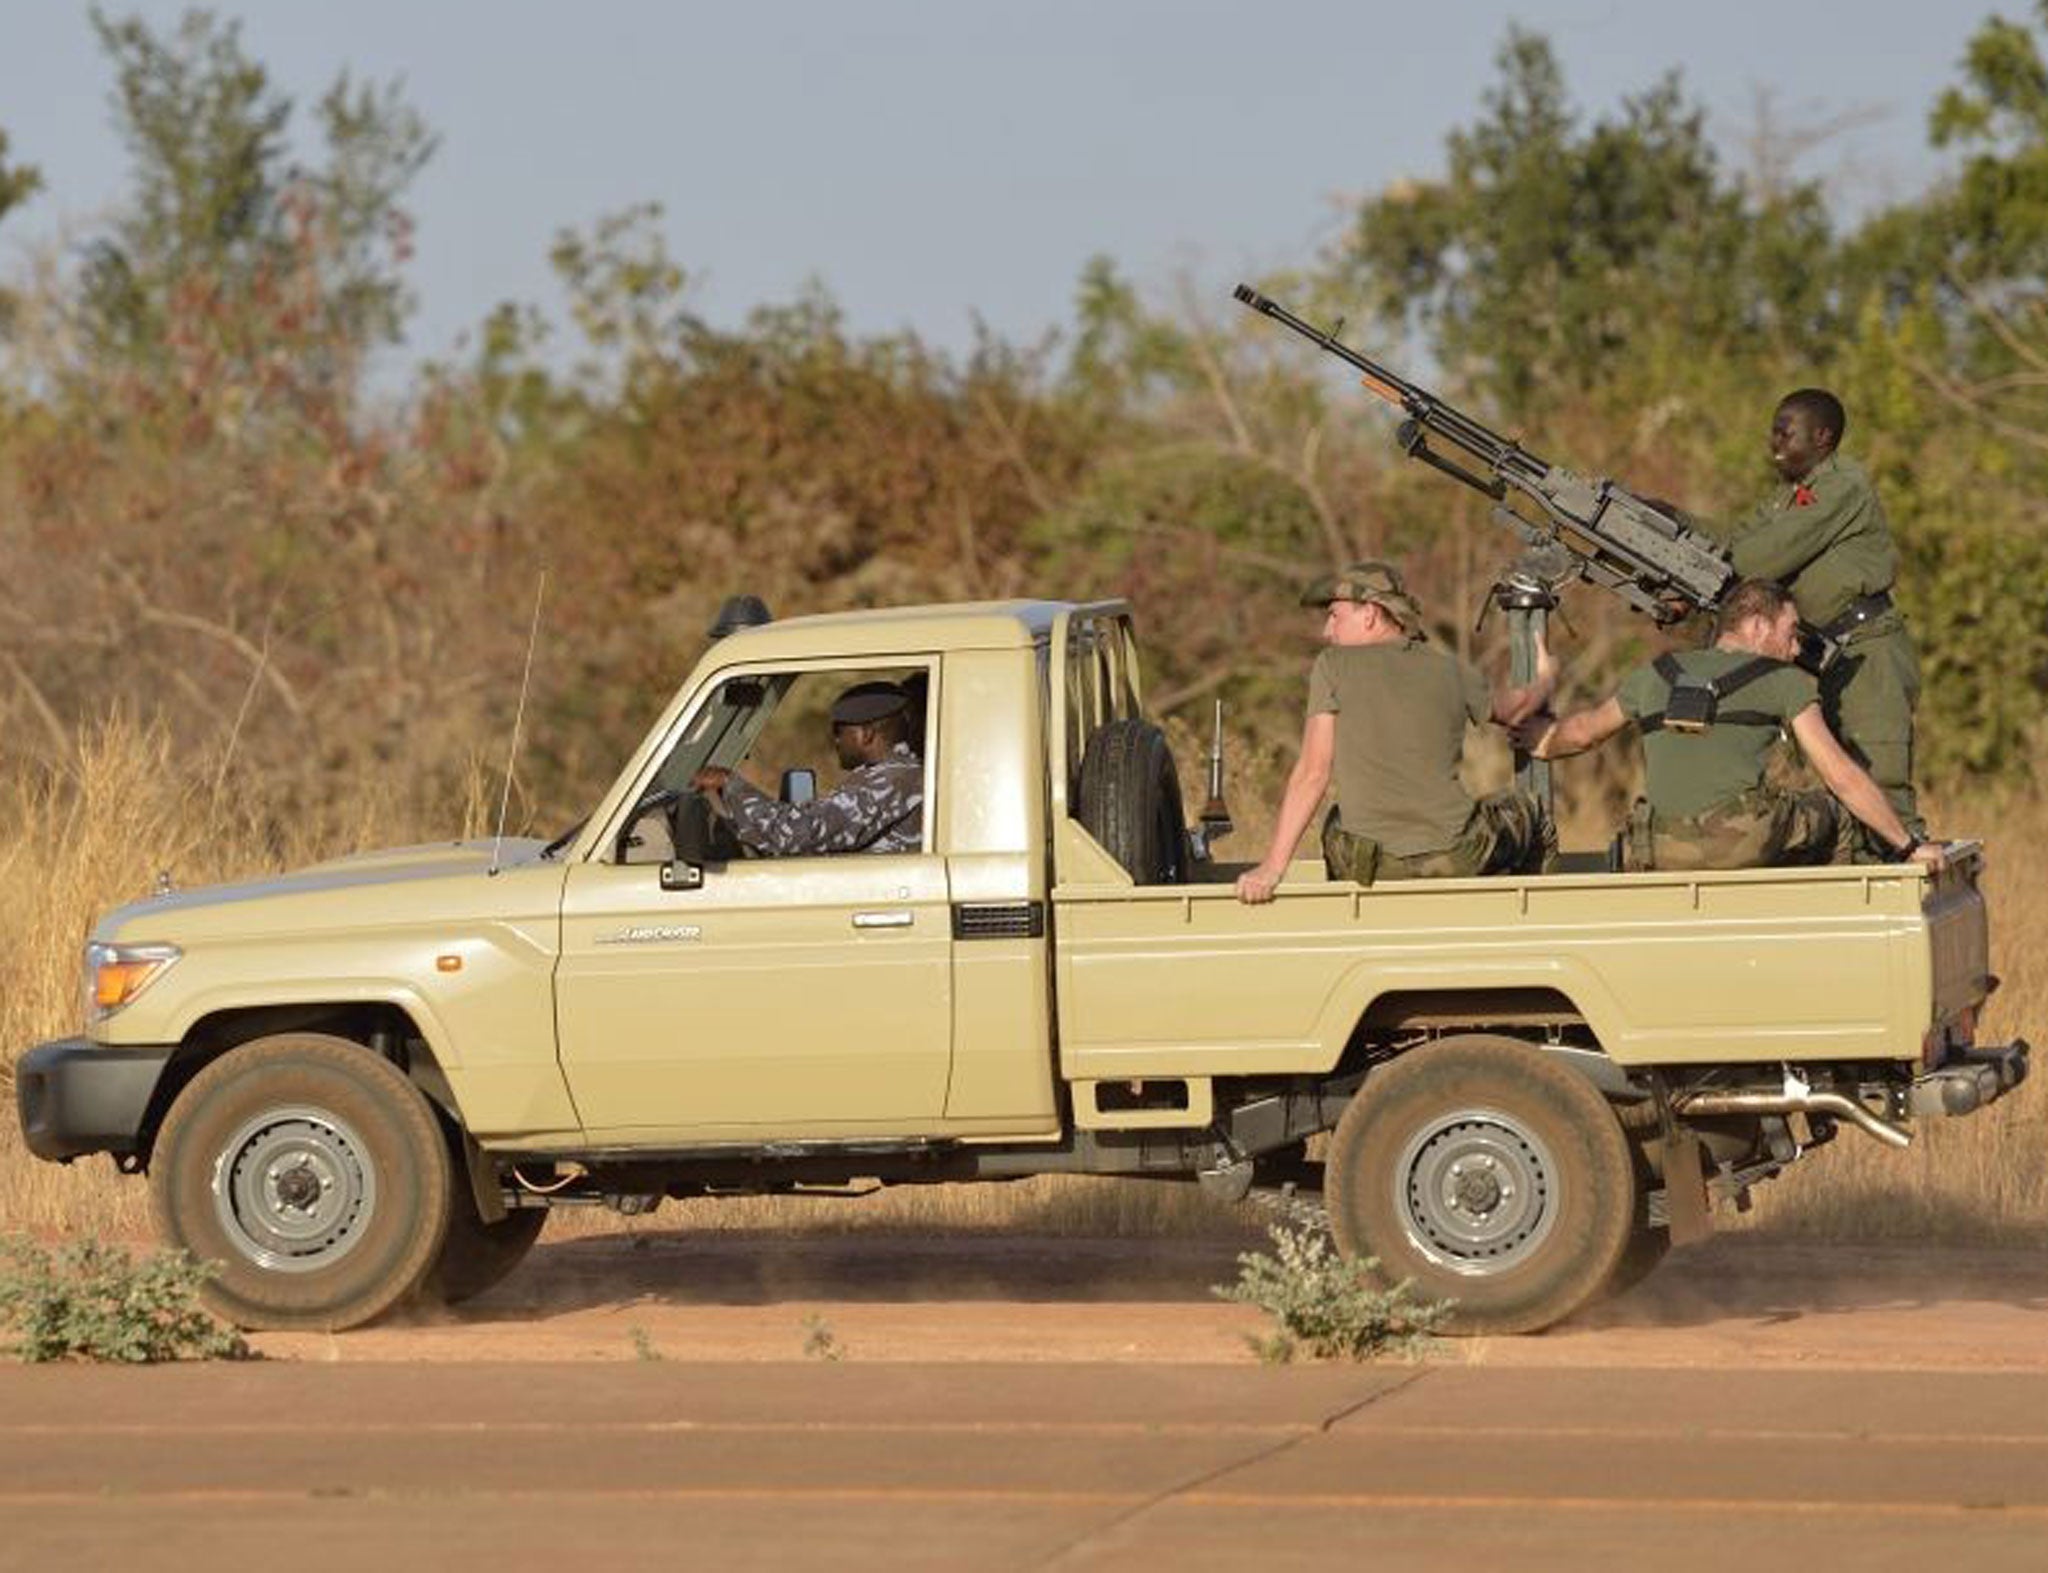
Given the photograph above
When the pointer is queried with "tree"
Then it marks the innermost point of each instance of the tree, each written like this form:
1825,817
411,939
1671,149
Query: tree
1547,253
18,182
228,253
1997,214
206,132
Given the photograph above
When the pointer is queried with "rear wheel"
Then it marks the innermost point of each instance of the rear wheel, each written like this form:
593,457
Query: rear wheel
1487,1175
313,1172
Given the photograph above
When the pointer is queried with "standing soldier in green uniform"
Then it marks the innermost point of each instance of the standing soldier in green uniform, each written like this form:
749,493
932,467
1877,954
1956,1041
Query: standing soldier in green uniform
1824,536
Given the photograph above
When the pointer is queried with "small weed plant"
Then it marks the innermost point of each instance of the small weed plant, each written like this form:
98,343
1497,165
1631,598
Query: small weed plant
1323,1305
820,1342
643,1343
96,1302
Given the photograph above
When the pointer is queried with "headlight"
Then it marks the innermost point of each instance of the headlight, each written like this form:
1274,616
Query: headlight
115,974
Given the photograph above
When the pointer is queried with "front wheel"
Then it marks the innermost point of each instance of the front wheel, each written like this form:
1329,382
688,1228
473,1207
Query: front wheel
1487,1175
313,1172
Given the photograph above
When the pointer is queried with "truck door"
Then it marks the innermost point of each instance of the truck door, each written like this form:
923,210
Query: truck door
804,996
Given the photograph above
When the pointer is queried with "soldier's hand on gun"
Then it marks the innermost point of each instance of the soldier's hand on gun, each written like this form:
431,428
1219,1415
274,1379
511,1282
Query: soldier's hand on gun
711,779
1930,855
1255,886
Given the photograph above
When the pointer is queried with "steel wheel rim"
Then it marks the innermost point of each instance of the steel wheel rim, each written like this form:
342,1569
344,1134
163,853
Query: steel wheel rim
1477,1192
294,1189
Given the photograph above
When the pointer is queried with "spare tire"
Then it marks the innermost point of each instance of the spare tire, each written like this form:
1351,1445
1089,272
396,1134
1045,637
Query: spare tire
1130,801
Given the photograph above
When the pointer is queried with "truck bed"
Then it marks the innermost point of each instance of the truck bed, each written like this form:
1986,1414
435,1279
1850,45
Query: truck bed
1752,965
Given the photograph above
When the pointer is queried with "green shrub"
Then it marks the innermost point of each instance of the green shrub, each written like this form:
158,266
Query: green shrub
91,1301
820,1342
643,1341
1324,1304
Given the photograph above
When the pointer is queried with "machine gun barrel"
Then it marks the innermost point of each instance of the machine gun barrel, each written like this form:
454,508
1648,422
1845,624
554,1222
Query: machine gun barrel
1617,540
1500,454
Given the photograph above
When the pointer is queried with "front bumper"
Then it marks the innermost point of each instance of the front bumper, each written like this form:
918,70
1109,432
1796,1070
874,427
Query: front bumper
1970,1080
75,1096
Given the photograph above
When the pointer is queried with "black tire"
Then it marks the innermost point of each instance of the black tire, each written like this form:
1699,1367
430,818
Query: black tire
1130,801
313,1172
1488,1175
476,1255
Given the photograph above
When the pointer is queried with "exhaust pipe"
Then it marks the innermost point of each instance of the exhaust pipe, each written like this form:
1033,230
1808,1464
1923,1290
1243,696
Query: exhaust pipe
1834,1103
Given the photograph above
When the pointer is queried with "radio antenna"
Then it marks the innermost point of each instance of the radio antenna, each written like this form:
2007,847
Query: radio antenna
518,716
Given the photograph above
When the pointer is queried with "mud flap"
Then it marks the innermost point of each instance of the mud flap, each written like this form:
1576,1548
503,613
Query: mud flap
484,1186
1685,1188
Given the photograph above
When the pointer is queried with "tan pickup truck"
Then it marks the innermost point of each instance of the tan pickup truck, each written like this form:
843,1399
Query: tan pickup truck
371,1079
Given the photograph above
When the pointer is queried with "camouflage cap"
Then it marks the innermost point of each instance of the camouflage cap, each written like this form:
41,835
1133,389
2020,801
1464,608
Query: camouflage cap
1378,584
867,702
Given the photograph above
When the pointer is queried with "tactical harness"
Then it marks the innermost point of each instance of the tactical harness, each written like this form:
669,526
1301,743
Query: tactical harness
1694,703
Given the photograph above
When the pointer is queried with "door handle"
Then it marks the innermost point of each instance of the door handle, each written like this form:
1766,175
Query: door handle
883,920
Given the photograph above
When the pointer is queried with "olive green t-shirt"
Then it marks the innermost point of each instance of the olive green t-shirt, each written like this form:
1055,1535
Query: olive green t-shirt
1689,773
1401,711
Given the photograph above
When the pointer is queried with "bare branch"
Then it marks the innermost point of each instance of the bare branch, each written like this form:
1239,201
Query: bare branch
1013,450
1208,682
259,660
2000,326
42,707
1966,401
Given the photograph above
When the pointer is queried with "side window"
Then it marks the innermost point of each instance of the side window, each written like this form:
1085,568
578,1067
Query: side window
775,731
798,735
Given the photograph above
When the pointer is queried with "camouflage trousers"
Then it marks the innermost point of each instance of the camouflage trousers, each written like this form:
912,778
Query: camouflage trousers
1508,833
1762,828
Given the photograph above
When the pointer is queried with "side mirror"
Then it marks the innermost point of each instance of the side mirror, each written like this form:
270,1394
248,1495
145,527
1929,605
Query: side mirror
799,786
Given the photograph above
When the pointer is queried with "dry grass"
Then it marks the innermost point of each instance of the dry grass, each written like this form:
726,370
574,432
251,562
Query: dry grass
77,839
88,834
1974,1180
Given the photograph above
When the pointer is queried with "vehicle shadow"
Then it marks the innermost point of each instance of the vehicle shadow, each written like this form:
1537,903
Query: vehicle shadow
1743,1278
1772,1281
694,1268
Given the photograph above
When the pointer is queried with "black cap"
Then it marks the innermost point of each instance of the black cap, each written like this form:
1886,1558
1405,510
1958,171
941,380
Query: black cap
865,702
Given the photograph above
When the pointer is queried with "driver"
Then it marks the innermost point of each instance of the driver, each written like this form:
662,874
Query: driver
877,807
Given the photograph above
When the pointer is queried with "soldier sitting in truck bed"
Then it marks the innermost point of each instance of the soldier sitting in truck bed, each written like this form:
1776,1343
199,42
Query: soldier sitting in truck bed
878,807
1386,719
1708,719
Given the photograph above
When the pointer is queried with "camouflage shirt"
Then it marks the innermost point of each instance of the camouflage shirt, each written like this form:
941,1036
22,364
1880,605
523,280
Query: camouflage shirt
876,808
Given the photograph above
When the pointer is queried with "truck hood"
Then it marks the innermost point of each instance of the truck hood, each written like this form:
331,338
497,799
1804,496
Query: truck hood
367,887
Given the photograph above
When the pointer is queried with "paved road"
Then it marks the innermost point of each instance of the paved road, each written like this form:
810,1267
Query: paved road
620,1465
1018,1404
